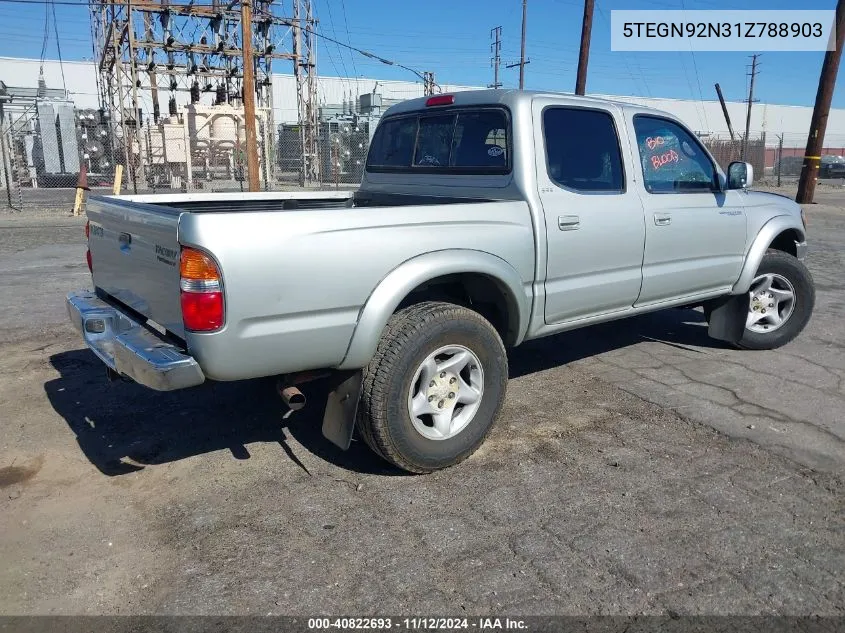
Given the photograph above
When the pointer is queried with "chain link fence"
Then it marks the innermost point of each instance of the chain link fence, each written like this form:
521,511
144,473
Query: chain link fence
342,145
45,148
202,148
786,160
777,158
727,150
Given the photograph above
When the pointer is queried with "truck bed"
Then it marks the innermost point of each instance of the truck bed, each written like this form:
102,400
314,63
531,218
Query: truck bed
135,241
287,201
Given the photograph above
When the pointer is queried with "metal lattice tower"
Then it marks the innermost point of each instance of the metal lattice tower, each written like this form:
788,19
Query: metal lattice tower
429,84
146,47
305,72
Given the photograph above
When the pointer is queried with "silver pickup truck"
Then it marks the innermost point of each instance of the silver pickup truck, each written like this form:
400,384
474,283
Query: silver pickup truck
484,219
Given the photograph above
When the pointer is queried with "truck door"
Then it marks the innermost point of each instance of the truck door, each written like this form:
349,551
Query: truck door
594,220
695,233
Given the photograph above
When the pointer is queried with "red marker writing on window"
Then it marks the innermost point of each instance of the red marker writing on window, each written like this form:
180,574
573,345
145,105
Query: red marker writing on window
669,157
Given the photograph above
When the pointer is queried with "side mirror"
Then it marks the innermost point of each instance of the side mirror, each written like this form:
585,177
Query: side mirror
740,175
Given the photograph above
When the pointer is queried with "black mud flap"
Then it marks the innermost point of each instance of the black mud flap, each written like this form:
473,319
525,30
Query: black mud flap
727,317
341,407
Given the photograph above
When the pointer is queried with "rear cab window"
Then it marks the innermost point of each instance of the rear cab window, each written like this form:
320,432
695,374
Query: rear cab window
459,140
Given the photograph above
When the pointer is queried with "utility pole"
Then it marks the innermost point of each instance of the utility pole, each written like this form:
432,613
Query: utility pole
249,95
725,111
584,54
312,105
7,176
496,61
522,61
818,124
750,101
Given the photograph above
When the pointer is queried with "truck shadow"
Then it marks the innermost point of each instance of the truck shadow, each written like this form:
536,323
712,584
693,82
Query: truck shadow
681,328
122,427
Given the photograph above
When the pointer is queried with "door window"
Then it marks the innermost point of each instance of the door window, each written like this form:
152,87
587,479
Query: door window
582,150
672,159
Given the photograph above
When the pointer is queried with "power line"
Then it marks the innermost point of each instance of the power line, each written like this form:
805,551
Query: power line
23,37
334,65
697,77
58,44
44,38
695,102
18,15
624,56
332,62
361,51
65,2
700,93
349,40
334,32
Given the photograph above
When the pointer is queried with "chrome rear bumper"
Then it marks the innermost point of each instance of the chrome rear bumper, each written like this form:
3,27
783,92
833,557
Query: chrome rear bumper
129,348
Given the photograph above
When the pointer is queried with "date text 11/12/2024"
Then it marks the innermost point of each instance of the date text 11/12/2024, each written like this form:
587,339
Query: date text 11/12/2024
417,624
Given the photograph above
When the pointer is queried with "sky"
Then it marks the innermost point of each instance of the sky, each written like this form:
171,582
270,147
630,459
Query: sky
452,38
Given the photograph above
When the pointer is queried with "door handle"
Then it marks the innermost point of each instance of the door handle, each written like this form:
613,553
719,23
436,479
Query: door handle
568,222
662,219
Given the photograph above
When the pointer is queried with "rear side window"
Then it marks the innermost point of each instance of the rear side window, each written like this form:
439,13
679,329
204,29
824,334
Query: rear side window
582,150
459,141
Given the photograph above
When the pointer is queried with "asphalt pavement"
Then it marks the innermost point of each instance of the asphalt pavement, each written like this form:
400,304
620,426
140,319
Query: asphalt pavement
638,468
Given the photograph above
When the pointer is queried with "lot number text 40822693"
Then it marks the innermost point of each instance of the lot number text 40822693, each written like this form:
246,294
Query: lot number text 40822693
417,624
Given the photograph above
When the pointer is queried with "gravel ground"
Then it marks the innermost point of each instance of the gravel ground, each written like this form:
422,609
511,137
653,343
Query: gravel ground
633,471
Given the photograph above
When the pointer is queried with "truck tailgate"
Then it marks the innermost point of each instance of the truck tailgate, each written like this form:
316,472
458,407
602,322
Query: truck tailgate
135,257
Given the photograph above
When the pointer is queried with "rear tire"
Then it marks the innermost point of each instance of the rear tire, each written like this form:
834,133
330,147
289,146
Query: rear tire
431,354
775,319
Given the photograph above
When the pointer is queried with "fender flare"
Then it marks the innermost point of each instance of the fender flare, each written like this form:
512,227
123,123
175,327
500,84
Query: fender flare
399,282
765,237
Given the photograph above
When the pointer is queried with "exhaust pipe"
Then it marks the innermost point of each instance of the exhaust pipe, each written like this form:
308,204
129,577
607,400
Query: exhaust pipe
293,397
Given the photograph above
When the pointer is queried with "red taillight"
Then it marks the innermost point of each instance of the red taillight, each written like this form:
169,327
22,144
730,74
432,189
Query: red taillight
201,291
202,311
87,230
440,100
88,259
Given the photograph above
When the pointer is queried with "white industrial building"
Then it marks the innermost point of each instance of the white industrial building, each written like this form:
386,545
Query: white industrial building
202,142
704,117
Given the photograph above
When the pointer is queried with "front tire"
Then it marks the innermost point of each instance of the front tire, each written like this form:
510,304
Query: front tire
781,301
434,388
